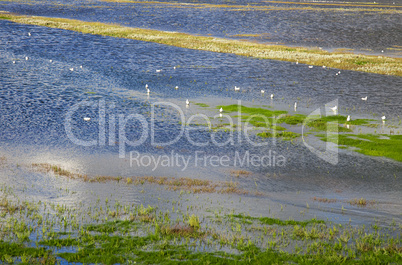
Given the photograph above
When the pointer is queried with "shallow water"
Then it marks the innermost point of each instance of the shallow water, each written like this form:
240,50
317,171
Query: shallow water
37,95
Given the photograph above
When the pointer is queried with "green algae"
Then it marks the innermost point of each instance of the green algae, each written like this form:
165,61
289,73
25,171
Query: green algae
373,145
285,135
276,221
202,105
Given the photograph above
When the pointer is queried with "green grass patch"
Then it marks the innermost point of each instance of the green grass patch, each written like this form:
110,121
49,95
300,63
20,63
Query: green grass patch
27,255
361,62
285,135
372,145
251,111
202,105
275,221
292,119
258,117
326,123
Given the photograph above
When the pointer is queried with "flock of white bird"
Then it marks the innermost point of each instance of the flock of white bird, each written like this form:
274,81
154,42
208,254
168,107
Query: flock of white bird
236,88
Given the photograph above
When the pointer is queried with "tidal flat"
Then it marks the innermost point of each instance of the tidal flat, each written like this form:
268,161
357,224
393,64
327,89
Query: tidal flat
202,132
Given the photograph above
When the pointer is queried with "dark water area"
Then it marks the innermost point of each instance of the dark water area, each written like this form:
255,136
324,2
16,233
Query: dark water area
333,25
53,79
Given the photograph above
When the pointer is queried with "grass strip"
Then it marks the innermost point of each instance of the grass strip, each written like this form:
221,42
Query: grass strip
275,221
346,61
373,145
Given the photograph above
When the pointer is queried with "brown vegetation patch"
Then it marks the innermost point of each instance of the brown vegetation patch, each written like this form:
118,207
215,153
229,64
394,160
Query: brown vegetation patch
326,200
360,202
182,230
171,183
8,207
240,172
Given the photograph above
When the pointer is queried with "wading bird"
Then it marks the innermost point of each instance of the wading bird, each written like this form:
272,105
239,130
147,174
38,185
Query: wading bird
364,99
187,102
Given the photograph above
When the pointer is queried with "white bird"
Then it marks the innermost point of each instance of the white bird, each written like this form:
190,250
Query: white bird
81,66
29,34
339,72
158,71
148,91
237,88
220,115
71,69
220,110
26,58
272,95
187,102
310,66
383,118
176,87
364,99
297,62
50,60
348,118
335,108
146,85
13,61
174,67
295,105
324,66
87,119
262,91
